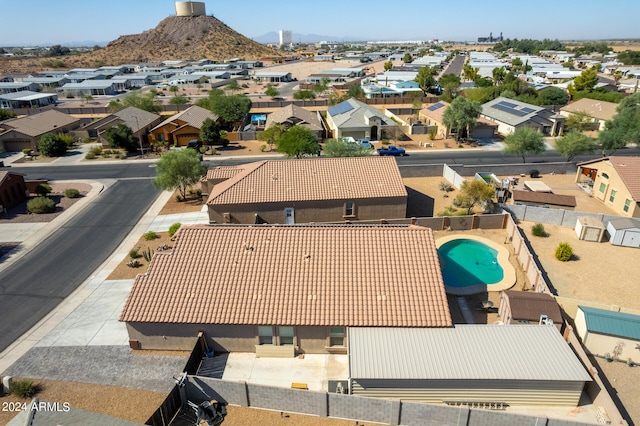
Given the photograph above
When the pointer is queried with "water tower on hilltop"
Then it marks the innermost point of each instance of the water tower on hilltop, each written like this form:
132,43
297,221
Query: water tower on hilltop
190,8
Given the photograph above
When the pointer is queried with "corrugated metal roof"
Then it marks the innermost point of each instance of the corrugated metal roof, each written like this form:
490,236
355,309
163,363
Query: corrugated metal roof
612,323
466,352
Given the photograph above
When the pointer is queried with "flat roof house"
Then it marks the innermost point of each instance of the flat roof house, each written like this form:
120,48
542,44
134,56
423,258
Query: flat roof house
273,77
469,365
359,120
509,114
308,190
21,133
615,181
283,290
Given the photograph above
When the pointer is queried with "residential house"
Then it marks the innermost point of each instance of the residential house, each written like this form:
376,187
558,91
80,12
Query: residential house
13,190
615,181
24,133
468,365
609,333
599,111
529,307
309,190
432,115
273,77
285,290
138,120
90,88
27,99
510,114
359,120
293,115
18,86
182,127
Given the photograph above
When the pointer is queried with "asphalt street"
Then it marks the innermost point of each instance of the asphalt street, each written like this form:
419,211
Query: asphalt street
45,276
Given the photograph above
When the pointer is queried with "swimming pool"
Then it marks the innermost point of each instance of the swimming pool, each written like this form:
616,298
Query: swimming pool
473,265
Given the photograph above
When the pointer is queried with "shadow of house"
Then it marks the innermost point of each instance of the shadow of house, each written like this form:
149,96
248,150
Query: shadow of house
13,190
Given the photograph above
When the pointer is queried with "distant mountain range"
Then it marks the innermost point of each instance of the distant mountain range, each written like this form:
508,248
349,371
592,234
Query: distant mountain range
274,37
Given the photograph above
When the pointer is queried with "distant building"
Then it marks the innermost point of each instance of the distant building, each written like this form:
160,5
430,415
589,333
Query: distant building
285,37
490,39
190,8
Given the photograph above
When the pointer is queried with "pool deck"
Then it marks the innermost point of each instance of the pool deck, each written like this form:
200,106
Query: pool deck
508,280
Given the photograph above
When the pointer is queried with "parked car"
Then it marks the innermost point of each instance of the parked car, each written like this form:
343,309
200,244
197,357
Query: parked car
392,150
365,143
194,144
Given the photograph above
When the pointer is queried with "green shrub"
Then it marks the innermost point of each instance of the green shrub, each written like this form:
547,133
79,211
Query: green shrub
27,151
96,150
24,388
147,254
151,235
41,205
173,229
71,193
43,189
133,253
134,263
538,230
564,252
90,156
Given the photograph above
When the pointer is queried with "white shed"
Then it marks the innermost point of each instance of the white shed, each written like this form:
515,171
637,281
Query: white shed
624,232
589,228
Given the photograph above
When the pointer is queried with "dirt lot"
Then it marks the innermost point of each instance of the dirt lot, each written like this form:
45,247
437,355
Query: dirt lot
124,272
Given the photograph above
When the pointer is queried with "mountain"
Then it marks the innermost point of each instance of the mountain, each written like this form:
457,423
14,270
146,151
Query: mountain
183,37
273,37
175,38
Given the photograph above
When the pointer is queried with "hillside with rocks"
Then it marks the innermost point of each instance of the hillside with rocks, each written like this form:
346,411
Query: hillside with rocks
175,38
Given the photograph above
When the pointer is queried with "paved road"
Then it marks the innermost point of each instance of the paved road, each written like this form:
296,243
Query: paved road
455,66
34,285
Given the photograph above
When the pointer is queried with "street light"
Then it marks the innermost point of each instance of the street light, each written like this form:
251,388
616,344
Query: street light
139,135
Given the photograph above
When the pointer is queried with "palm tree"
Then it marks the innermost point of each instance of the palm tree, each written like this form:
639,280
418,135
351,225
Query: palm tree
498,75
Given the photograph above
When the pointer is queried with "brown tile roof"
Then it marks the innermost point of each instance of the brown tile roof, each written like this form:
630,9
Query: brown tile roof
223,172
544,198
300,116
312,179
628,169
436,114
193,116
529,305
4,175
39,124
597,109
348,275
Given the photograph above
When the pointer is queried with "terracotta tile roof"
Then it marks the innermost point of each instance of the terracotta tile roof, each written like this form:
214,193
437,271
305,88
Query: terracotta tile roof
39,124
347,275
194,116
435,114
299,115
544,198
4,175
312,179
223,172
628,169
529,305
597,109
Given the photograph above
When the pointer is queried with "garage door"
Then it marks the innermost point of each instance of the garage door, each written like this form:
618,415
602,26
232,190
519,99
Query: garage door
482,132
16,146
631,239
183,140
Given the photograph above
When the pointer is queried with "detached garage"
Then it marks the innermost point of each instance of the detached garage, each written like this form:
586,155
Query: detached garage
624,232
474,365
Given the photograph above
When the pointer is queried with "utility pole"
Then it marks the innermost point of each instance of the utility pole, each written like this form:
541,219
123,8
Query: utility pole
139,135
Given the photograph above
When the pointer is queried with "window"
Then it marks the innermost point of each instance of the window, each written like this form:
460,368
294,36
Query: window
336,336
612,196
603,187
265,335
627,205
605,176
286,335
349,208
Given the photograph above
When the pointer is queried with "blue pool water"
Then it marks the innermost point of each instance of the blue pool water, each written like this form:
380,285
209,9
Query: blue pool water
468,262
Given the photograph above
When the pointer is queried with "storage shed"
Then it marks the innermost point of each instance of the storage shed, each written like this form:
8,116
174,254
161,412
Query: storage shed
608,332
480,365
624,232
590,228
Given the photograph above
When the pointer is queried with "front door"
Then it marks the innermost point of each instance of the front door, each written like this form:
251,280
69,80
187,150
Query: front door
289,218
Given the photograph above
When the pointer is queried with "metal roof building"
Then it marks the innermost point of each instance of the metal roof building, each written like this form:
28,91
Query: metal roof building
608,332
468,364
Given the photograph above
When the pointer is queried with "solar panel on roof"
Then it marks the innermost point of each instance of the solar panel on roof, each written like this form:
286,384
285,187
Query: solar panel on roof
528,110
507,104
435,106
500,107
340,108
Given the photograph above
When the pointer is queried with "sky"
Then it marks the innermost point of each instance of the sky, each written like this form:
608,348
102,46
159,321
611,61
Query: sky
47,22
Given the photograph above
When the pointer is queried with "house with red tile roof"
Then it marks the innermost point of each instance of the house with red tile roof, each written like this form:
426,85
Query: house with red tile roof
282,290
307,190
615,181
